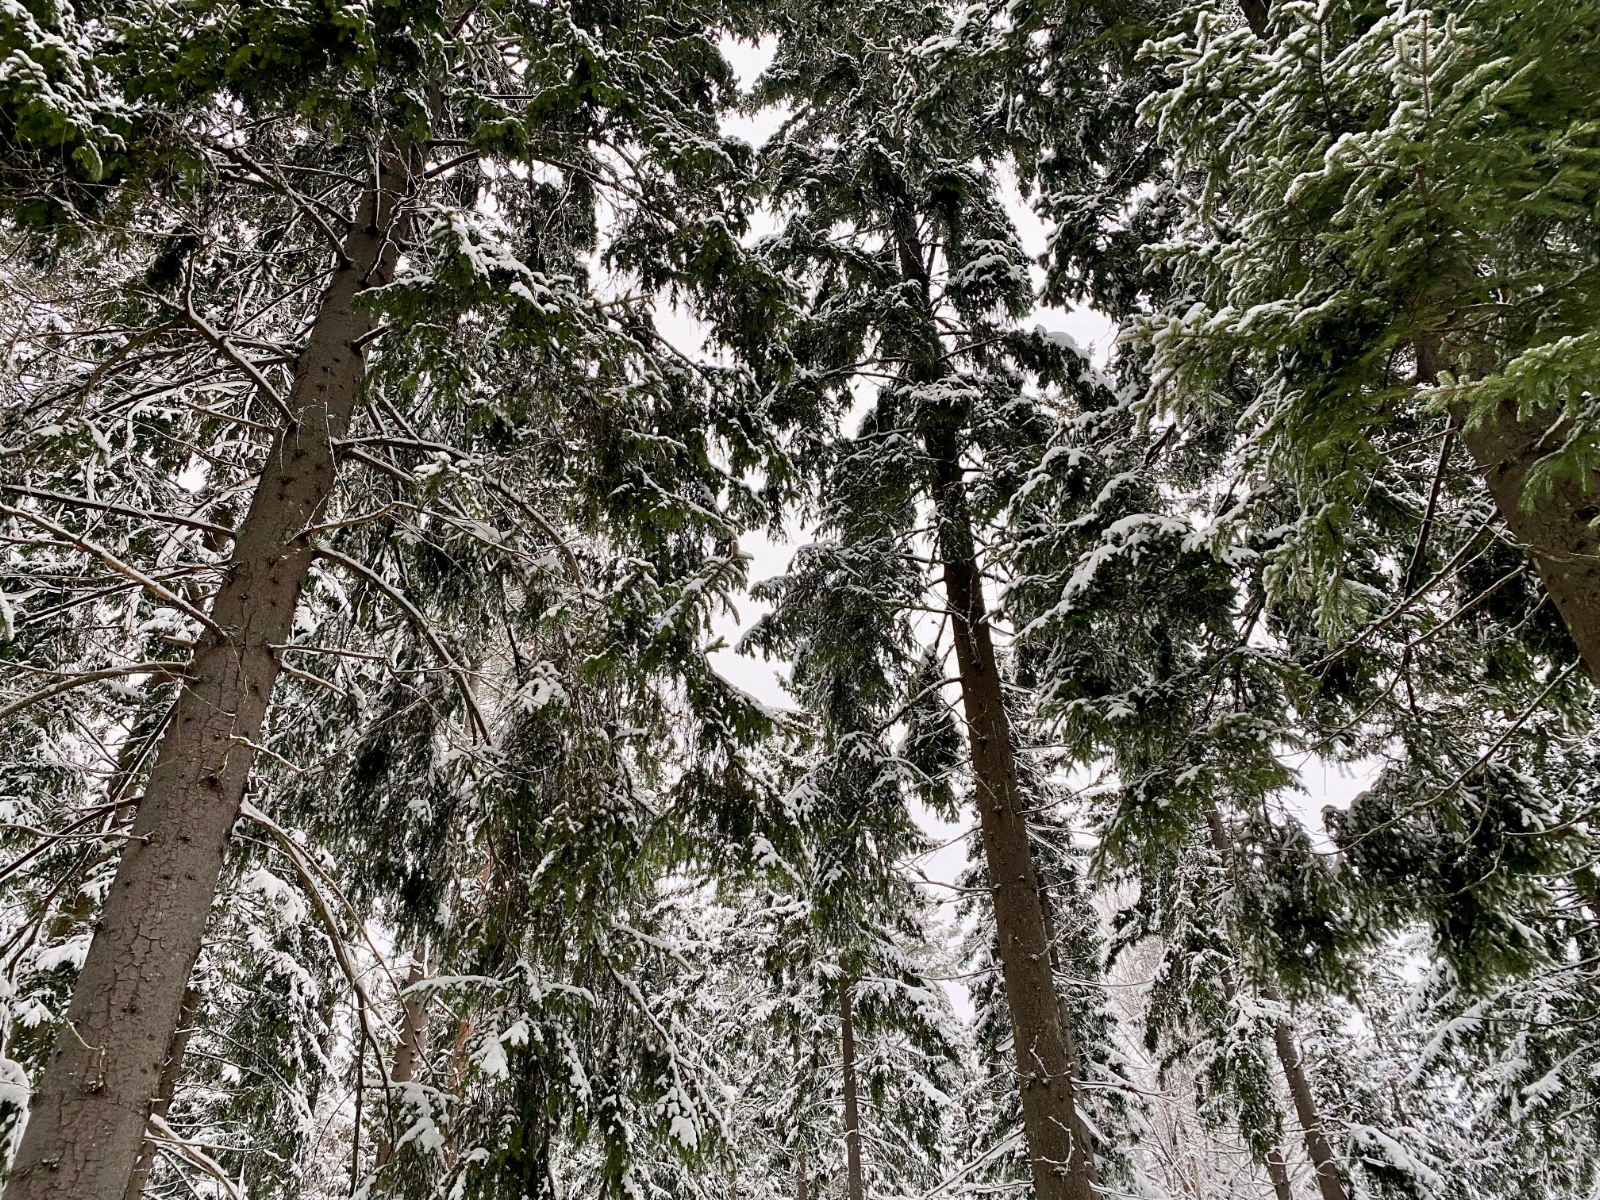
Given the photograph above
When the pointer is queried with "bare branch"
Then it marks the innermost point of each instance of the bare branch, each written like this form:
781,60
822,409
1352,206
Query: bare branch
120,510
117,565
171,670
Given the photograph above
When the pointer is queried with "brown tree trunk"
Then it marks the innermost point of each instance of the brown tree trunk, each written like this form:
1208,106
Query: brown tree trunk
1564,547
801,1185
1057,1153
854,1188
88,1116
171,1070
1294,1073
1305,1107
1074,1060
413,1038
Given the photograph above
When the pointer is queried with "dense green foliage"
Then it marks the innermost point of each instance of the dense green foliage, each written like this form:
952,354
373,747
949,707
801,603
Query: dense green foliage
1245,550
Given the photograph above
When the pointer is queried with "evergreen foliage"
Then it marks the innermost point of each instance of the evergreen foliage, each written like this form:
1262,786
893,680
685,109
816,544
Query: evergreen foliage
522,898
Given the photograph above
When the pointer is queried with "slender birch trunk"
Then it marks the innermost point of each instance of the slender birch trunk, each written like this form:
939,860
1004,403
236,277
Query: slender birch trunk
88,1116
854,1187
1059,1156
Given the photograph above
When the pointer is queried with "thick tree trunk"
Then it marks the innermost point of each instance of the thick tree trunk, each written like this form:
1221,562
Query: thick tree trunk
802,1187
1564,547
88,1116
1058,1154
1329,1181
854,1188
1074,1060
171,1071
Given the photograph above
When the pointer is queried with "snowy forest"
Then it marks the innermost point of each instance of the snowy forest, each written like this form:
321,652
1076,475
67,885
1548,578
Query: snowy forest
800,600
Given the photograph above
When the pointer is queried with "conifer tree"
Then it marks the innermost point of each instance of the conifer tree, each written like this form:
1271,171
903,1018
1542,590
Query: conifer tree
913,276
266,300
1393,220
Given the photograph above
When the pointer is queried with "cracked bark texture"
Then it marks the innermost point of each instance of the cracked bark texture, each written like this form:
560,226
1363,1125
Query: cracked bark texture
1556,529
1060,1159
171,1071
88,1115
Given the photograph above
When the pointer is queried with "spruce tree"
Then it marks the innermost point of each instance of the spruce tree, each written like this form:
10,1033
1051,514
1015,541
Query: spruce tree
267,302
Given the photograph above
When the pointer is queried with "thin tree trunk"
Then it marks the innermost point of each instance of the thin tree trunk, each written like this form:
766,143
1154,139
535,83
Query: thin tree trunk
1294,1073
413,1038
170,1072
854,1189
88,1116
1305,1107
1278,1172
1564,547
1058,1155
801,1185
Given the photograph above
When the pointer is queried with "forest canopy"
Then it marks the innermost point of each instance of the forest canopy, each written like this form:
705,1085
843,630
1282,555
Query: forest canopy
726,599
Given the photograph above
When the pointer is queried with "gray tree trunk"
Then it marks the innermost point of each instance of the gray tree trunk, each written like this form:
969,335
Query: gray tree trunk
171,1072
1556,529
88,1115
1278,1172
1074,1060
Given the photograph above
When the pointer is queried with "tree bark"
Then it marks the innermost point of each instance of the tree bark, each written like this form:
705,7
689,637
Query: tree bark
1278,1172
1329,1181
854,1188
88,1117
1556,530
171,1070
1057,1153
413,1038
802,1189
1074,1060
1305,1107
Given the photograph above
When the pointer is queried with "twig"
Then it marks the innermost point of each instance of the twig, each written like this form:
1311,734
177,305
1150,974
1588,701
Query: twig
172,670
417,619
117,565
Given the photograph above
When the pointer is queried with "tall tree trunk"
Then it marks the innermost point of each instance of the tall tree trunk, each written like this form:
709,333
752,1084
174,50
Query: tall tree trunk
1074,1060
854,1188
1305,1107
802,1187
171,1070
1329,1181
413,1039
1057,1153
87,1119
1564,547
